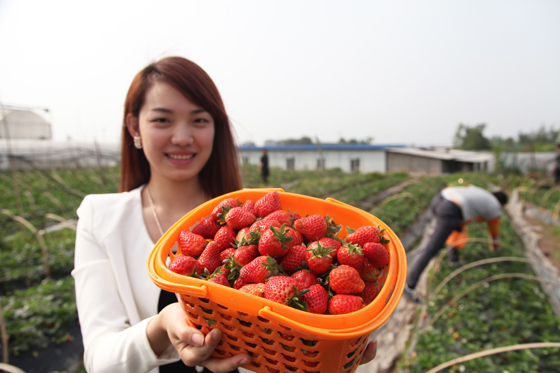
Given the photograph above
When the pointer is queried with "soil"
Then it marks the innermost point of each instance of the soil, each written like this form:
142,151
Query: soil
549,241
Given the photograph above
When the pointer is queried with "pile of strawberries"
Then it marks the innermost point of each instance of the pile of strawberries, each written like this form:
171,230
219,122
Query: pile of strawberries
261,249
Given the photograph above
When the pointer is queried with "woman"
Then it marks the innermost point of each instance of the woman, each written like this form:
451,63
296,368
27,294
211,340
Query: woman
177,152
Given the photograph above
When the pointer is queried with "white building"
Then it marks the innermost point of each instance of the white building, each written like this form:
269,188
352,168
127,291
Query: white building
24,124
347,157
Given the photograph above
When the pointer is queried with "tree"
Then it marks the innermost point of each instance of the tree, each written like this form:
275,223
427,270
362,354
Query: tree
471,138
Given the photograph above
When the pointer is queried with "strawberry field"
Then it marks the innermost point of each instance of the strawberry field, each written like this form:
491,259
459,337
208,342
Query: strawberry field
507,307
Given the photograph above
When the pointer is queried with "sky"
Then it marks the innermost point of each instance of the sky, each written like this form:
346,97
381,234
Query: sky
399,72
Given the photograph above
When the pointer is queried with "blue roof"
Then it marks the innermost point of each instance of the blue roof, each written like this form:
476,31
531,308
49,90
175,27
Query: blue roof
311,147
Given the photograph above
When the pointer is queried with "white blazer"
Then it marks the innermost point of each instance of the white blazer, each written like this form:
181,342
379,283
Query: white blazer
114,293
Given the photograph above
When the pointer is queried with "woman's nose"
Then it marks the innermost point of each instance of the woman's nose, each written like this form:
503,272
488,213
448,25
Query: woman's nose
182,135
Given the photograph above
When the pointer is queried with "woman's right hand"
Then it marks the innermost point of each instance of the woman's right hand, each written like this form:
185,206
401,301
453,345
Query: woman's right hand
194,348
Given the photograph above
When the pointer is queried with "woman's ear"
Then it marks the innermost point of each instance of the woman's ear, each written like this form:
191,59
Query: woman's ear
132,125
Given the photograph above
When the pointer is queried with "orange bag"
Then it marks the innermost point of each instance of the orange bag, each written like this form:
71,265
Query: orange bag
458,239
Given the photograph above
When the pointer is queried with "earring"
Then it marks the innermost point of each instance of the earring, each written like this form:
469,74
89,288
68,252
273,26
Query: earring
137,142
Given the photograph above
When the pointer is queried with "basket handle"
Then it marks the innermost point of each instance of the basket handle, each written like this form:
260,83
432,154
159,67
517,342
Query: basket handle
269,314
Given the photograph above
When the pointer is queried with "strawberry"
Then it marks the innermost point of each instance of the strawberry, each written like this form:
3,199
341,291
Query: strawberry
343,303
206,228
217,277
250,206
261,225
225,254
268,203
239,283
369,293
365,234
224,237
227,203
317,299
304,279
368,272
210,257
280,289
346,280
351,255
185,265
331,243
190,243
297,237
318,258
274,242
283,217
245,254
255,289
259,269
313,227
293,259
377,254
239,217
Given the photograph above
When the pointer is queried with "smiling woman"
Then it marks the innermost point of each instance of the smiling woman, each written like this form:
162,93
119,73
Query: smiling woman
174,123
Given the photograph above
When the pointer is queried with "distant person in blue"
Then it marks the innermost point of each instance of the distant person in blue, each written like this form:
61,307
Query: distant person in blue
265,172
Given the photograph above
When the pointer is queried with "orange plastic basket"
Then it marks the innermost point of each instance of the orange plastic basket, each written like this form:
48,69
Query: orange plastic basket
280,338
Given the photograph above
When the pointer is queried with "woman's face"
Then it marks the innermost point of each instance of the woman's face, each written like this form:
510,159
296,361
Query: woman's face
177,135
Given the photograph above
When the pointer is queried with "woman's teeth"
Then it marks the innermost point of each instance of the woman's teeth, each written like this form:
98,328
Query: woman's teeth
181,157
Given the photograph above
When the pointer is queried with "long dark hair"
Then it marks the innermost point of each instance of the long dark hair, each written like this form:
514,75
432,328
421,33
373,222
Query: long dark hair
221,173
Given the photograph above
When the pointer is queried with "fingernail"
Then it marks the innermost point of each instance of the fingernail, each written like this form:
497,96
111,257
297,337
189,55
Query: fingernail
244,361
197,340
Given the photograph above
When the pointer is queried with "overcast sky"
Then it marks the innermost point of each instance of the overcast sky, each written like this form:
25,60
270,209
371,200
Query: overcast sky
401,72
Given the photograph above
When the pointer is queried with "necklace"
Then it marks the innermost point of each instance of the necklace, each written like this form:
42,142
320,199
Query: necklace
154,211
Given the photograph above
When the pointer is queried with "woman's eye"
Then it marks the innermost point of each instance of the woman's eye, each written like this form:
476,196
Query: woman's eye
160,120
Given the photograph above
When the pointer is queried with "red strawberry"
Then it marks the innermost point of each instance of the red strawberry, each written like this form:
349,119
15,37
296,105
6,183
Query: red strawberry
210,257
293,259
245,254
224,238
377,254
259,269
331,243
239,217
226,253
318,258
280,289
225,271
370,292
346,280
255,289
304,279
365,234
220,279
343,303
227,203
185,265
190,243
297,237
261,225
207,228
274,242
216,277
313,227
239,283
250,206
283,217
268,203
351,255
317,299
368,272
